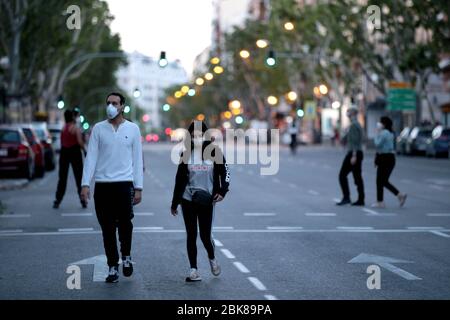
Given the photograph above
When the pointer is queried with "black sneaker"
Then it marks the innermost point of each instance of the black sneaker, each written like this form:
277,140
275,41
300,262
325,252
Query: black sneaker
55,205
127,266
343,202
113,275
83,204
359,203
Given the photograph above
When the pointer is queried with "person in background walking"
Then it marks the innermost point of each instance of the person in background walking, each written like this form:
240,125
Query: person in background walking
385,161
201,181
70,155
293,131
353,160
114,159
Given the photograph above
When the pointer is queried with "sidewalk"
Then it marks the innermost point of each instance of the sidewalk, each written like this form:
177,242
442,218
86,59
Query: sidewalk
11,184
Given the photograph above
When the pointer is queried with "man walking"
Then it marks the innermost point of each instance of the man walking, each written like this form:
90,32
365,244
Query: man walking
114,159
352,161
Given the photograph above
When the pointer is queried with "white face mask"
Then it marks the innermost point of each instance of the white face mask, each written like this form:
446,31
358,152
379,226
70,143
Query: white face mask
111,111
380,126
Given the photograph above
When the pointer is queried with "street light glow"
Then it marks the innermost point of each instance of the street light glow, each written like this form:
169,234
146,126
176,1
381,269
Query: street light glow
200,117
218,69
292,96
209,76
261,43
136,93
184,89
227,114
191,92
289,26
244,54
199,81
166,107
323,89
272,100
335,104
316,91
215,60
235,104
178,94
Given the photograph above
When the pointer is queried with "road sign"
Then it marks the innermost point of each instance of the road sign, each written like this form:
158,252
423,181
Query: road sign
401,99
310,110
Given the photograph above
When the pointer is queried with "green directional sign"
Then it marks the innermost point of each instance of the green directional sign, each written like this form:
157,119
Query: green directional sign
401,99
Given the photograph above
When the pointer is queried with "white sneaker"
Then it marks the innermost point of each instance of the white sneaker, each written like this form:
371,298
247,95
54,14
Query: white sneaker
193,276
215,267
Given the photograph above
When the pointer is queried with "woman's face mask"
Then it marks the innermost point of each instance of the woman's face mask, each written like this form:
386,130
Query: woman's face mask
380,126
111,111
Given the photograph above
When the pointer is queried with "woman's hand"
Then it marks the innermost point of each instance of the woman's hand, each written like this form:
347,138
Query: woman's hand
217,198
174,212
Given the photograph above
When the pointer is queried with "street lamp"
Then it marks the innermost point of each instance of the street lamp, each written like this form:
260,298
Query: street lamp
215,60
292,96
235,104
323,89
336,105
270,60
209,76
178,94
136,93
218,69
245,54
184,89
163,60
199,81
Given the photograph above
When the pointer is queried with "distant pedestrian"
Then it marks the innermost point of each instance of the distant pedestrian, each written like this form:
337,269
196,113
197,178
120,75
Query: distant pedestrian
202,180
114,160
70,155
293,131
353,160
385,161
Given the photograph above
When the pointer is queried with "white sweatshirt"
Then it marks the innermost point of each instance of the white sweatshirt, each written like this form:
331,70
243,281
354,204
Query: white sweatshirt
114,156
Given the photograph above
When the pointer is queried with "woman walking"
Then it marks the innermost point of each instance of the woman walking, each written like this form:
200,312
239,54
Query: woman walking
71,145
202,179
385,161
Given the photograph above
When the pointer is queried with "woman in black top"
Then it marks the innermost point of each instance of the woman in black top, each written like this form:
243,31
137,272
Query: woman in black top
202,179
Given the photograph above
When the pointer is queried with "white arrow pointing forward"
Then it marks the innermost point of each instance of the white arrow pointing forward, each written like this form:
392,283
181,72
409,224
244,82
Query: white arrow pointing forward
386,263
100,267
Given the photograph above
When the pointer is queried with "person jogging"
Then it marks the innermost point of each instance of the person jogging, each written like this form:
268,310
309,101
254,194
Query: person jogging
71,146
385,162
114,159
202,180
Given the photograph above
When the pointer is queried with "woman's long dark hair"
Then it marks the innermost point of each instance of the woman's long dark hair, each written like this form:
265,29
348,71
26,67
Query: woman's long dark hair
190,148
387,123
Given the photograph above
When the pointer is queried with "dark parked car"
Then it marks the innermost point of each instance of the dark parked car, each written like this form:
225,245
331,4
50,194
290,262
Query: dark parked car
16,155
417,140
46,140
402,140
38,149
438,144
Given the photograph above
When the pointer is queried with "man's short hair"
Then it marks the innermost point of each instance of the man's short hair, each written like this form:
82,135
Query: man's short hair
117,94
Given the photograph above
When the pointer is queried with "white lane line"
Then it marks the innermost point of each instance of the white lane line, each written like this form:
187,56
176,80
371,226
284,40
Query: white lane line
223,228
259,214
25,215
75,229
438,214
284,228
292,185
370,211
433,186
218,243
313,192
270,297
276,180
320,214
425,228
227,253
439,233
144,214
241,267
86,214
354,228
147,228
11,231
258,284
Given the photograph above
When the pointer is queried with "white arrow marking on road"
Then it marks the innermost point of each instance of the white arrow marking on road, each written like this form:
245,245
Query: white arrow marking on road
100,267
386,263
438,214
438,233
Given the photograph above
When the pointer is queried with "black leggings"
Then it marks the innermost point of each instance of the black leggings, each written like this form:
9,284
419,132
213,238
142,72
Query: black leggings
386,163
69,156
204,214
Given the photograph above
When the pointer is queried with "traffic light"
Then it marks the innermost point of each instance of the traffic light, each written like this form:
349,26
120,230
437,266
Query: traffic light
163,60
60,102
271,59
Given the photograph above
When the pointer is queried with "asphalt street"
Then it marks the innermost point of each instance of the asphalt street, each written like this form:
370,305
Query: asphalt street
277,237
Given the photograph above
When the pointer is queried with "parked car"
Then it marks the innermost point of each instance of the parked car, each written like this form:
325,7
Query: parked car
402,140
16,155
46,139
55,131
38,149
417,140
438,144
